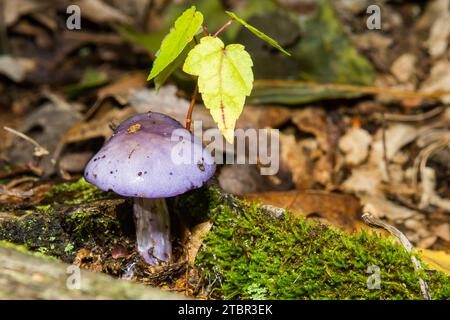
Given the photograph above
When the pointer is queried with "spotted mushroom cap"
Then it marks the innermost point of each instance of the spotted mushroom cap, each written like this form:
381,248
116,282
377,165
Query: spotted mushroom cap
150,155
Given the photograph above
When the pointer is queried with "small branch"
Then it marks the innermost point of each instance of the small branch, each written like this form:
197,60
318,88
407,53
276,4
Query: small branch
223,27
39,150
377,223
205,31
410,117
191,108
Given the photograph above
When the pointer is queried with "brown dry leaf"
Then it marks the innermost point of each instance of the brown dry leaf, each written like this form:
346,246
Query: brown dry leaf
443,231
314,121
437,260
338,209
439,79
101,13
122,87
13,10
310,160
298,158
97,127
381,207
427,242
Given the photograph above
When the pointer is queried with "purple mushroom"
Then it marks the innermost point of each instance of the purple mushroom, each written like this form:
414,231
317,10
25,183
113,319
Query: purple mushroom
150,157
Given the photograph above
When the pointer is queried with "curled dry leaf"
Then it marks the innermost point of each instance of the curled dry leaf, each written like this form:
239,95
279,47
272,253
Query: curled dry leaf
100,12
338,209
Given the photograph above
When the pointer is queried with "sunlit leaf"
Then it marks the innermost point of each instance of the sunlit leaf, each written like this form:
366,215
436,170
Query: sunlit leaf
185,28
258,33
225,78
162,77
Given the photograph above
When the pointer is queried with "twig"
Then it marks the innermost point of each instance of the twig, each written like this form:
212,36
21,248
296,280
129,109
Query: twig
205,31
15,172
15,193
223,28
410,117
191,108
377,223
422,158
39,150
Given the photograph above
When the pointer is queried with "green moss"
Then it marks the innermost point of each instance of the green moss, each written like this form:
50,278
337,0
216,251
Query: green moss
249,255
38,230
91,225
76,193
73,215
23,249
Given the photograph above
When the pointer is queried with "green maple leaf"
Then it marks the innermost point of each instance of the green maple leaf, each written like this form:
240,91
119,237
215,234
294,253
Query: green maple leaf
258,33
184,30
225,78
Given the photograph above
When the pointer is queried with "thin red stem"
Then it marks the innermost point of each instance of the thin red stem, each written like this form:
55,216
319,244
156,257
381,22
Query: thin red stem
205,30
191,108
223,28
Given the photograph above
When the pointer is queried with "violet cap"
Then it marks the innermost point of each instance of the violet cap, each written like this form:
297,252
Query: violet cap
150,155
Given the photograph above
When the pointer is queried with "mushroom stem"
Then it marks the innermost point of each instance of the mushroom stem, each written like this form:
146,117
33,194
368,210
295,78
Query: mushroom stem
153,229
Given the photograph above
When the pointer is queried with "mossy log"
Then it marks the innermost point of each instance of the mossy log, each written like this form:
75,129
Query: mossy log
28,276
249,252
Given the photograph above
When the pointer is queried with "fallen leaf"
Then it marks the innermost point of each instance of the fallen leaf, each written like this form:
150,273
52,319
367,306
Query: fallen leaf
13,10
381,207
121,88
101,13
340,210
437,260
442,231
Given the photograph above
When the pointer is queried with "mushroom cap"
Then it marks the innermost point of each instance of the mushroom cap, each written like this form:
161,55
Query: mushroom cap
150,155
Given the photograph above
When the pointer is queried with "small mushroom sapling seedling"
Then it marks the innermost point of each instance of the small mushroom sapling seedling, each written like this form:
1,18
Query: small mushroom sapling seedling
151,157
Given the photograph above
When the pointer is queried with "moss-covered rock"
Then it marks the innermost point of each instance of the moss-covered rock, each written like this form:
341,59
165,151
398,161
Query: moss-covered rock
249,254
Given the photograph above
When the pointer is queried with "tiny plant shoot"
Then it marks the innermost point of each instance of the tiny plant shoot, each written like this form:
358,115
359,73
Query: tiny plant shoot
225,76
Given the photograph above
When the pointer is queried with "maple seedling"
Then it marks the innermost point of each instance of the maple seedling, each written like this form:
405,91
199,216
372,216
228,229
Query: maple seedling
225,76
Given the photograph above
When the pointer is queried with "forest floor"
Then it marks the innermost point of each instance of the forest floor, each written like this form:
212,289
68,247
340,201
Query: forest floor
363,117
